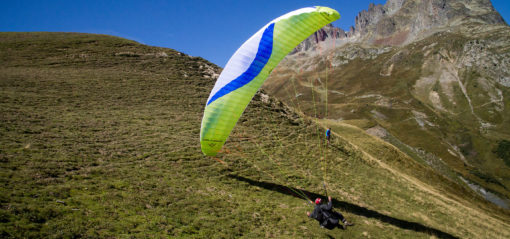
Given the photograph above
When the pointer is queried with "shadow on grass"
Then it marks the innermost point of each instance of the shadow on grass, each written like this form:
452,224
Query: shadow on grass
349,207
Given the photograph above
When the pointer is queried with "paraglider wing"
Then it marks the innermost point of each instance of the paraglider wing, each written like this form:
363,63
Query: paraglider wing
249,67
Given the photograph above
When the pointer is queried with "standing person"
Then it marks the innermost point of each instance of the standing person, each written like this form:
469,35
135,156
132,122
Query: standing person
326,216
328,135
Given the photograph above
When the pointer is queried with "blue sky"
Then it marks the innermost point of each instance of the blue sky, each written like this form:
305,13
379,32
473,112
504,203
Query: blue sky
209,29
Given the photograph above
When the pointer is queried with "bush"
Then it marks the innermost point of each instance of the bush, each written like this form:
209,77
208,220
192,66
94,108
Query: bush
503,151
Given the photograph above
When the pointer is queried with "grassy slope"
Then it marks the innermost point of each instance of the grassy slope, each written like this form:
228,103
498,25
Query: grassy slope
99,138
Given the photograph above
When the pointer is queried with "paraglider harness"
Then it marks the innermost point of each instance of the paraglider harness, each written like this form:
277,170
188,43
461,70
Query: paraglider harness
327,218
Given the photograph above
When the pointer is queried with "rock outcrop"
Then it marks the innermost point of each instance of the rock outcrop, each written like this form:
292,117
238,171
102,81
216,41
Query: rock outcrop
400,22
327,32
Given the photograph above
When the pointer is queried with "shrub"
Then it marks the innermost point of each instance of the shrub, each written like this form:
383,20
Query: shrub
503,151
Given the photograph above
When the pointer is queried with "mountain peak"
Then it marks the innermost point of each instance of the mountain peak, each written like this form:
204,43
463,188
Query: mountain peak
400,22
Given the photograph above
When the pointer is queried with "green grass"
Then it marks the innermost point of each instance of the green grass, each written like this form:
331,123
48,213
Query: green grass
107,146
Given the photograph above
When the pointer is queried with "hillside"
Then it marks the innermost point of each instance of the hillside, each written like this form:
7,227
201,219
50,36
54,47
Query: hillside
100,138
430,77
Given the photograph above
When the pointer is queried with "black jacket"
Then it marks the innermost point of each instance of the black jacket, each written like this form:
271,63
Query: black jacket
325,215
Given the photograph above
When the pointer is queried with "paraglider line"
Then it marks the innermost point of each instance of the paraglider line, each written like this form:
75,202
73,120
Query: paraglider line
295,190
221,161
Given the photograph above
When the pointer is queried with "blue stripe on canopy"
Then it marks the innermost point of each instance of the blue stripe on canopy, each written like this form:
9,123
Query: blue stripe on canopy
263,54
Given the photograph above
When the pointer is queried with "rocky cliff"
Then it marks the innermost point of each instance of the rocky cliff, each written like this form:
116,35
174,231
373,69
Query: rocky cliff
401,22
